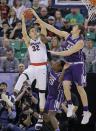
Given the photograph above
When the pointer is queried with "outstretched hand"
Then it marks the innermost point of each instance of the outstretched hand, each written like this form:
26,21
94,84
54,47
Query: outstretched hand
34,13
37,21
52,52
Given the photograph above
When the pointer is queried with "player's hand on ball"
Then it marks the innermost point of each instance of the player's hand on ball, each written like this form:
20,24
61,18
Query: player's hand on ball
34,13
27,14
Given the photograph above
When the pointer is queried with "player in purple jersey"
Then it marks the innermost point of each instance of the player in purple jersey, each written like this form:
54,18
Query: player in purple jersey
74,56
55,95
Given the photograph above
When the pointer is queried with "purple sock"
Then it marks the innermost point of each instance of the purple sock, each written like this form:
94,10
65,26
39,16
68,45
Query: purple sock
69,102
85,108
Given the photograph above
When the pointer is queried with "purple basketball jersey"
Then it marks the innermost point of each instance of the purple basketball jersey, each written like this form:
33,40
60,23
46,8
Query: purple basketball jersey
76,57
55,92
54,84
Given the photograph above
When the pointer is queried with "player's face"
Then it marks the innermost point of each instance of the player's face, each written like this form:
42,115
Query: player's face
33,33
75,29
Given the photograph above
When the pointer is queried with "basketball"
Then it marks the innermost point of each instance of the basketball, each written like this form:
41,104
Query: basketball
28,14
93,2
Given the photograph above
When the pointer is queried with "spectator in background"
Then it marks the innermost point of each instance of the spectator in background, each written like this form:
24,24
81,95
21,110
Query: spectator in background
35,5
5,30
51,21
66,27
75,17
55,46
58,20
18,7
10,64
55,43
10,3
12,18
21,68
43,3
26,106
50,8
27,3
17,31
7,111
4,10
90,55
44,14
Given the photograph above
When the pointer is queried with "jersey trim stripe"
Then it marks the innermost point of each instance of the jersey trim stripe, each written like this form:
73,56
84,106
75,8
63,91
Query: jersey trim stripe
39,64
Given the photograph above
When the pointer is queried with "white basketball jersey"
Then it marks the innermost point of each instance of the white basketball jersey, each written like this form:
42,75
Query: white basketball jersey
37,51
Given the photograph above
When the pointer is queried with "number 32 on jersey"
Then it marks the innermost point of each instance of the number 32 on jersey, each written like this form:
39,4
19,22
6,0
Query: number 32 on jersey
35,47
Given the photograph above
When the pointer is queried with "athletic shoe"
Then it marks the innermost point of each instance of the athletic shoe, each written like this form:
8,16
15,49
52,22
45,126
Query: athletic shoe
39,123
70,110
86,117
5,98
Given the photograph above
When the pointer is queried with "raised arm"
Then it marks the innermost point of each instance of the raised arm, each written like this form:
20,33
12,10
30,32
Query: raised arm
43,33
70,51
24,31
43,30
51,28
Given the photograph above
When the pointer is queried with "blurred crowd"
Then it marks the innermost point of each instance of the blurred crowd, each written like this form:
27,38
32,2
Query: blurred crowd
20,113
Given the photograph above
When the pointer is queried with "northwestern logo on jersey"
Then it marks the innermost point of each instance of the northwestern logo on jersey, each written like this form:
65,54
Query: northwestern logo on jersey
76,57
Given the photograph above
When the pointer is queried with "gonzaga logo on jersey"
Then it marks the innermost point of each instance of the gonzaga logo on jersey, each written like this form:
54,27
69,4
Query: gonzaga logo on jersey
35,46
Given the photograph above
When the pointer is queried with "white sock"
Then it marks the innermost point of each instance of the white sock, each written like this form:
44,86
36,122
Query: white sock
41,101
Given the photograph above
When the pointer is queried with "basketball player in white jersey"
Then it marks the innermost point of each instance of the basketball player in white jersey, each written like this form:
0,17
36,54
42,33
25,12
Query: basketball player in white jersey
37,68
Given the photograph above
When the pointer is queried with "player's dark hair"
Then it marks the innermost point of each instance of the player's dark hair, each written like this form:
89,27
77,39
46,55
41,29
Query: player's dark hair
82,29
28,31
62,63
